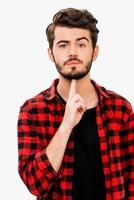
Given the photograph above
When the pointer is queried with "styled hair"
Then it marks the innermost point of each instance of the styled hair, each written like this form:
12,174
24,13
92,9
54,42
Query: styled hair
73,18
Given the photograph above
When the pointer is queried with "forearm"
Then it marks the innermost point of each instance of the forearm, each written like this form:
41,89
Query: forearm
43,167
56,148
74,110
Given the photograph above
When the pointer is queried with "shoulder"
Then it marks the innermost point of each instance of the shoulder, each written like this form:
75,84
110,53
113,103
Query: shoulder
44,98
117,98
111,97
119,104
37,101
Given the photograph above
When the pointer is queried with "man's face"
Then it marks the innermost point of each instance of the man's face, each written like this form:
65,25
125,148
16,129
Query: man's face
72,52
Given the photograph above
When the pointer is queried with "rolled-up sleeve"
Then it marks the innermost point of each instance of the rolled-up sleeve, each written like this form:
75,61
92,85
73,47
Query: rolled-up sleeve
34,167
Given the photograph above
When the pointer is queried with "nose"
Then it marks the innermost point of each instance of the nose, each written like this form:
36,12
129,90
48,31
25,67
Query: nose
72,51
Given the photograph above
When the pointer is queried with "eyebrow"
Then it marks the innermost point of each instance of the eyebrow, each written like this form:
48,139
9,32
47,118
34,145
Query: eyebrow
78,39
82,38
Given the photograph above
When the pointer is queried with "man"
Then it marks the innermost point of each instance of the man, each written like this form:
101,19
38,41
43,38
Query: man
76,139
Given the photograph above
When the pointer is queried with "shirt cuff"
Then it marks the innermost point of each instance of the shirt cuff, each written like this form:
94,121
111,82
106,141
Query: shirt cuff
45,166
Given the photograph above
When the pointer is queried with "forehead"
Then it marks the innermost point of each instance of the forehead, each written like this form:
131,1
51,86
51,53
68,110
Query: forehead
69,34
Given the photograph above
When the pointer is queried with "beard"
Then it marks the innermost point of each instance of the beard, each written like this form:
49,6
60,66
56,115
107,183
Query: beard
74,75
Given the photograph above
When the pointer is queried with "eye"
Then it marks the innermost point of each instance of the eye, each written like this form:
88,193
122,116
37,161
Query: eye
62,45
81,45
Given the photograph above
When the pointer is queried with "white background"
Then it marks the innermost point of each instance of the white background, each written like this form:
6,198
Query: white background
26,69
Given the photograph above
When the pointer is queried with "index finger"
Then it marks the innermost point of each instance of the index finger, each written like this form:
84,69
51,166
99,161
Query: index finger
72,90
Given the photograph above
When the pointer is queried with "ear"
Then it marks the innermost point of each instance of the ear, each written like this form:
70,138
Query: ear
95,53
50,54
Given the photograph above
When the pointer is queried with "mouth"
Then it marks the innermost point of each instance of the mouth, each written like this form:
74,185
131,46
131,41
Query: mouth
73,63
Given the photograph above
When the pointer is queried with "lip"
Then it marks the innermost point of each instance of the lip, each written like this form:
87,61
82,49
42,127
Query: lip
73,63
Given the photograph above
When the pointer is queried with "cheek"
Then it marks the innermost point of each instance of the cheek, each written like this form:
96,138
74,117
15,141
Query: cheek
88,55
59,58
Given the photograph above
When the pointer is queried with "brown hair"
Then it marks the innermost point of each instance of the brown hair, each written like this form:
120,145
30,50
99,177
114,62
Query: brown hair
72,17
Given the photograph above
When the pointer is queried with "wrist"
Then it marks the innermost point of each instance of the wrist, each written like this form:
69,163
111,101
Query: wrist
65,128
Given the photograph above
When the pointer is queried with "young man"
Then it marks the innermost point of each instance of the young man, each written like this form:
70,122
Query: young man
76,139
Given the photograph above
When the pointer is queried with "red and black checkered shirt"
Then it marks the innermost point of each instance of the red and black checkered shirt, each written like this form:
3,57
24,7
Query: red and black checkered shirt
39,120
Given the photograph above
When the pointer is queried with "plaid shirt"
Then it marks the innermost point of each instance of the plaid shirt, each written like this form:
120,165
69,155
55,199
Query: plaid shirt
39,120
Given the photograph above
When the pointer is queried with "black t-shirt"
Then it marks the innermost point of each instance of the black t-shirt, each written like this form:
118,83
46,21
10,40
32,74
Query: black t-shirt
88,179
88,172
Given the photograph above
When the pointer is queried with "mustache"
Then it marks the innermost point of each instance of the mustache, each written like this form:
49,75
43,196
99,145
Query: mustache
73,59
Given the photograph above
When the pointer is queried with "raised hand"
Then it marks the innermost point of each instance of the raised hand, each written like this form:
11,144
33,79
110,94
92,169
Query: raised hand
75,107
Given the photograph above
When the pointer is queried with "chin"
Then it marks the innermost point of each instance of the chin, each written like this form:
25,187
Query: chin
74,76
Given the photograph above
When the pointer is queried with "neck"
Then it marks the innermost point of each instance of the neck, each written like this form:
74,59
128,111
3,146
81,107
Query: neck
84,88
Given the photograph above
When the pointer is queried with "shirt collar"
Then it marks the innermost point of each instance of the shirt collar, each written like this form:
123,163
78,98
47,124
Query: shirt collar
101,91
51,93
